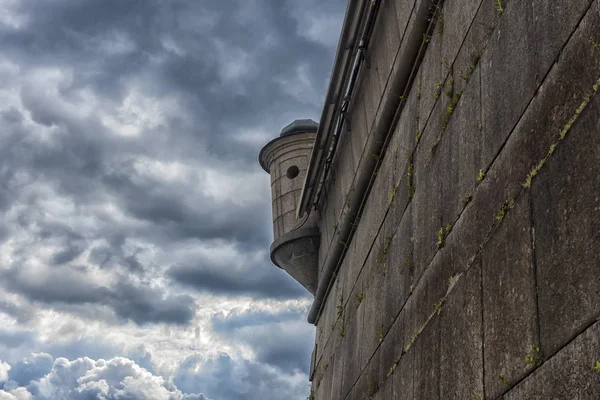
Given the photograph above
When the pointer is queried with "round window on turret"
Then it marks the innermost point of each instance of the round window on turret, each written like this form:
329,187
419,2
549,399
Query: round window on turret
292,172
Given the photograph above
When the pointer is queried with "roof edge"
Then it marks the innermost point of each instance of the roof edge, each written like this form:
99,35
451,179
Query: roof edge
347,45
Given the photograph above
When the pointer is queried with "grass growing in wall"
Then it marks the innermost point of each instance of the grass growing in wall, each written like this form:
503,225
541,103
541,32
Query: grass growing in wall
561,136
446,118
597,367
480,176
498,5
535,358
467,75
503,380
440,22
410,174
466,199
360,296
393,368
595,45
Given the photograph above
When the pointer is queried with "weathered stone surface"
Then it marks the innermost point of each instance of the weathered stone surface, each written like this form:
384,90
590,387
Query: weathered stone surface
465,136
404,9
353,335
391,349
430,290
372,93
554,23
461,343
433,76
339,370
426,215
509,301
387,35
503,125
359,132
566,215
372,333
404,378
507,76
455,19
426,376
368,383
570,374
399,271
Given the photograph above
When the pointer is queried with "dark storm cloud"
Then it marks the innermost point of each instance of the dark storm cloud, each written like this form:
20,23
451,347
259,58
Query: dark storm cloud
254,279
259,38
135,302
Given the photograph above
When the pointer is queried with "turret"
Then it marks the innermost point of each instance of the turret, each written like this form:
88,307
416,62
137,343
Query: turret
296,238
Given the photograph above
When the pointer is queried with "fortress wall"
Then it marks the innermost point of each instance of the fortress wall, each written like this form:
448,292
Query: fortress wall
474,271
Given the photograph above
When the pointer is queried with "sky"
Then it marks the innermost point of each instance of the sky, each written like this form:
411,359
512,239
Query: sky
135,219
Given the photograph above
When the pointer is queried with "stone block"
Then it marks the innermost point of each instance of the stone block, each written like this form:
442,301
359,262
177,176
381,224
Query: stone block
386,389
368,382
566,215
554,24
432,77
370,222
426,377
461,346
399,271
386,38
404,378
404,10
339,368
430,290
464,134
372,332
391,350
353,335
426,214
359,132
456,19
509,300
508,79
570,374
372,93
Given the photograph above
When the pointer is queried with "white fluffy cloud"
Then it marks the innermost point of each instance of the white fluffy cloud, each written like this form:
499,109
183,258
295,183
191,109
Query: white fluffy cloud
4,368
84,378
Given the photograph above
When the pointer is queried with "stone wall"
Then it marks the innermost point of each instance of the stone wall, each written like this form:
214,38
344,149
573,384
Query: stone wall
474,271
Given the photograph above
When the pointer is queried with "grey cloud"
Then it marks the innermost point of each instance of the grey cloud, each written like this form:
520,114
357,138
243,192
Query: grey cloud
31,368
140,304
281,339
231,74
15,338
246,380
259,280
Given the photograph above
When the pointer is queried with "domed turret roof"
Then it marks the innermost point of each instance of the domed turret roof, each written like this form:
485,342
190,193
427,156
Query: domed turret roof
299,125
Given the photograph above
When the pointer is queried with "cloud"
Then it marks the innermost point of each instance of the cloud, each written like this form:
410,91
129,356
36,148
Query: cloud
16,394
134,210
120,378
138,303
117,378
31,368
246,380
4,368
279,339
